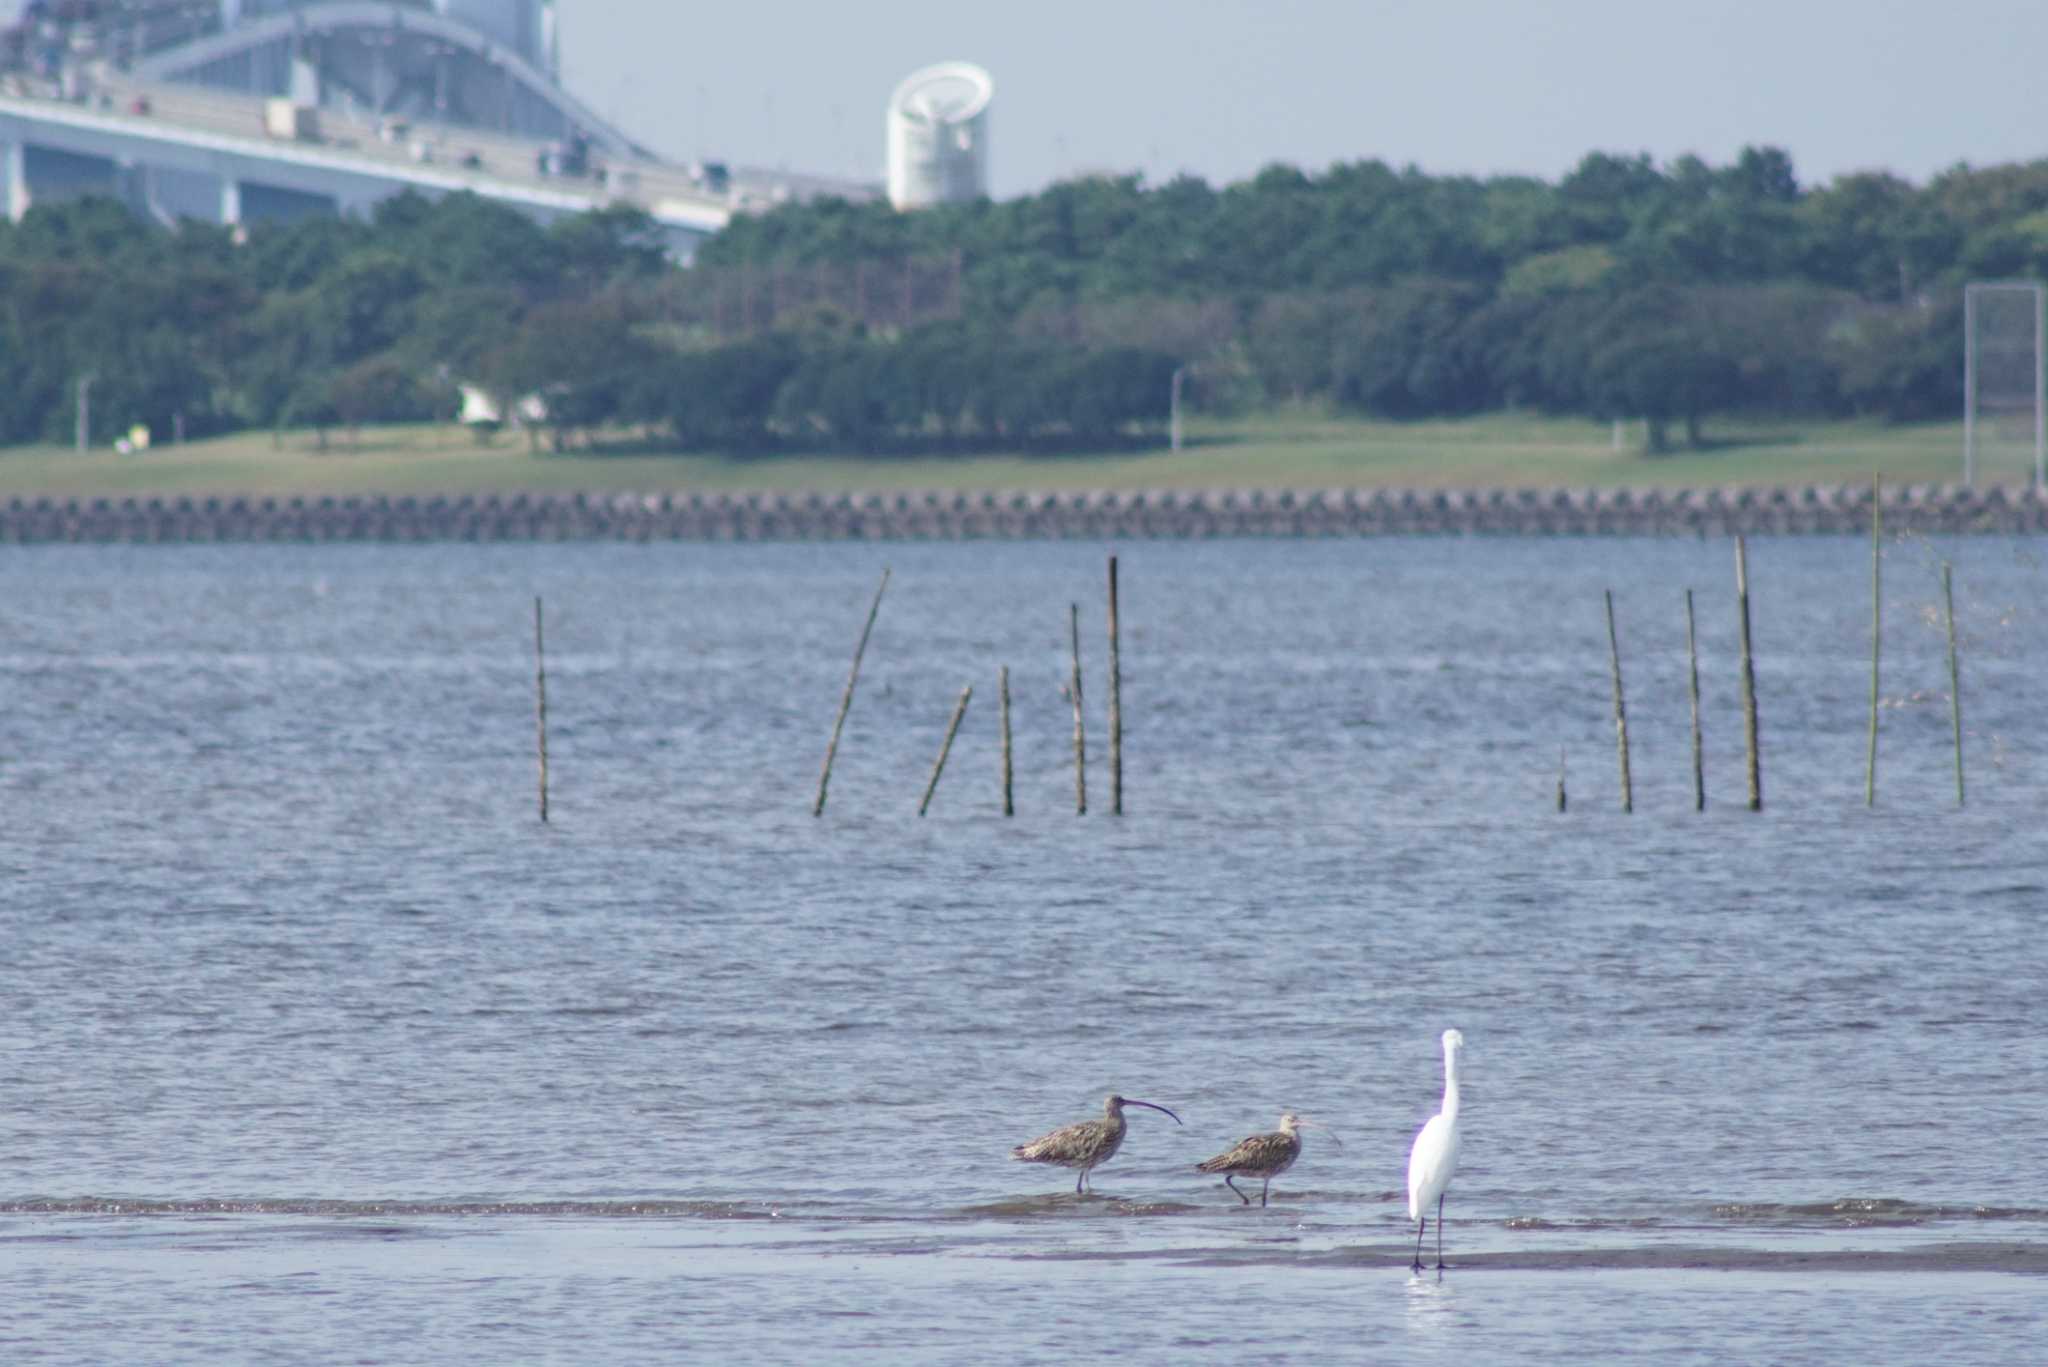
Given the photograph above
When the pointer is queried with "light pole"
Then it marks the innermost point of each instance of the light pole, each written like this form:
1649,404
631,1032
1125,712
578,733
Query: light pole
84,433
1180,374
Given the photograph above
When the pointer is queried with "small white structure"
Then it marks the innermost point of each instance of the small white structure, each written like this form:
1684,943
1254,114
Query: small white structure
938,136
481,409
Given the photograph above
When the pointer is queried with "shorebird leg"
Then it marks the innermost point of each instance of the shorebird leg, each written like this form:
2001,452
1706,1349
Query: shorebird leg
1267,1186
1233,1186
1439,1233
1081,1182
1416,1266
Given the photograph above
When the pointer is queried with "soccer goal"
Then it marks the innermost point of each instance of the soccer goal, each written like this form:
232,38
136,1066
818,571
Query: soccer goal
2005,385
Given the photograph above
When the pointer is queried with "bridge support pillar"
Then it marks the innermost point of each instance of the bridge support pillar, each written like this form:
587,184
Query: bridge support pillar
230,202
14,178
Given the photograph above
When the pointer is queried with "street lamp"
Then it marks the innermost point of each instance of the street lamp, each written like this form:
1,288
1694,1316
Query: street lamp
84,433
1173,410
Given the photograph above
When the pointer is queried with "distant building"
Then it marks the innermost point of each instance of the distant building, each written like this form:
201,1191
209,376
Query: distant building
938,136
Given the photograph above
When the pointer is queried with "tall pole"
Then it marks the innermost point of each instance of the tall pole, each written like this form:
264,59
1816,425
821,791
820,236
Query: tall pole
1749,725
1955,678
1003,678
1692,656
1080,732
540,705
1876,632
846,698
1628,802
1173,411
2040,386
1969,384
84,432
1116,710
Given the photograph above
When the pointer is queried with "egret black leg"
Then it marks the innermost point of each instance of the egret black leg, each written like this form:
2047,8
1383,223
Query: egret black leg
1233,1186
1439,1233
1264,1187
1416,1266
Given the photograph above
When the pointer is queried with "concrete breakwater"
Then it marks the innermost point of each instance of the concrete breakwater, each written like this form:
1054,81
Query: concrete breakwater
1104,514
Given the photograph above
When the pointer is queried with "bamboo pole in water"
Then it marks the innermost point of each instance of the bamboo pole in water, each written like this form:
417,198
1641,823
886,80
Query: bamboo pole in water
1003,682
846,698
1955,678
1628,802
1876,635
1116,712
1560,778
540,704
1692,655
1749,722
945,746
1080,733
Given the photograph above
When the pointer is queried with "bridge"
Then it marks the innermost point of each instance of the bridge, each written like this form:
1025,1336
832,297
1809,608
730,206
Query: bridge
328,107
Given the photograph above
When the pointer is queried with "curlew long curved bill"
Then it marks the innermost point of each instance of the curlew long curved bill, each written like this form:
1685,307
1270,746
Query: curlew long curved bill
1133,1101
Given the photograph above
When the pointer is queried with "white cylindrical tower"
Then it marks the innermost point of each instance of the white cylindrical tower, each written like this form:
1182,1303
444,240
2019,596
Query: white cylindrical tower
938,136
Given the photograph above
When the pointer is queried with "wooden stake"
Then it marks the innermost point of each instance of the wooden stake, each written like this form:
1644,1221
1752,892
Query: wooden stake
1560,778
540,704
1955,678
939,767
1080,734
1749,725
1116,712
1692,654
1003,681
846,698
1876,635
1628,803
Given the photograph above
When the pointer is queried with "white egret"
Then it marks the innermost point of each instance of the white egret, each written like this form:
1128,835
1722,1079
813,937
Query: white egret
1435,1156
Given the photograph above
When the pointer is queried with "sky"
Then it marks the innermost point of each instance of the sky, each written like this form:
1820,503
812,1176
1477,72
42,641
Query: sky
1220,88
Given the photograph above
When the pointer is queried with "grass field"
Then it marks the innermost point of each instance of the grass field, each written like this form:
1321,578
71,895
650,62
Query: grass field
1269,450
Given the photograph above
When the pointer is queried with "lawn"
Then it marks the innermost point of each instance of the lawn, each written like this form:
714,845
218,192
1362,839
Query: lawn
1283,449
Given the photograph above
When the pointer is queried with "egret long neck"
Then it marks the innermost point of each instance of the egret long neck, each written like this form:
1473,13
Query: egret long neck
1451,1083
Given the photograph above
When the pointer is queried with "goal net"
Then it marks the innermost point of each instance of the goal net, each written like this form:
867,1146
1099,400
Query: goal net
2005,408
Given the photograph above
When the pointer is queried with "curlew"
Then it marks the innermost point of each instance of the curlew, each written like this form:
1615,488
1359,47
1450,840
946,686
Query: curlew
1087,1143
1435,1156
1264,1156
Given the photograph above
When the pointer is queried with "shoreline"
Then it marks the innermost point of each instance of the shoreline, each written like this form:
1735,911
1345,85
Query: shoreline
2006,1256
950,515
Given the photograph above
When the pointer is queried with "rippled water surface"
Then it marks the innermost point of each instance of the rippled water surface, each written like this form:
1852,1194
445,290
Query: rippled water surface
317,1045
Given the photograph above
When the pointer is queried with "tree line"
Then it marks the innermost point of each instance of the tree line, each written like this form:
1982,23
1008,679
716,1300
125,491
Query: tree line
1055,320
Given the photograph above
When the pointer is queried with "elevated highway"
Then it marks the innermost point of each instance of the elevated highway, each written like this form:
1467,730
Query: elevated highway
180,151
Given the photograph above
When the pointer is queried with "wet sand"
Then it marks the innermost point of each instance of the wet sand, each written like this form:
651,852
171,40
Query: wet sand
2026,1258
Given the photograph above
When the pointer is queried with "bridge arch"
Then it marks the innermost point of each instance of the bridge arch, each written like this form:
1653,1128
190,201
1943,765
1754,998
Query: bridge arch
385,59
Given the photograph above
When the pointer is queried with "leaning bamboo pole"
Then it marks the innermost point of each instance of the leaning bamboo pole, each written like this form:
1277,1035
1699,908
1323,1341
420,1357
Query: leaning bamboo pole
1628,800
945,748
1749,721
846,698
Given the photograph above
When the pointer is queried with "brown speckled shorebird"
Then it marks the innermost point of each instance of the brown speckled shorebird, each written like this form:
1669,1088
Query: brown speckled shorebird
1264,1156
1086,1144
